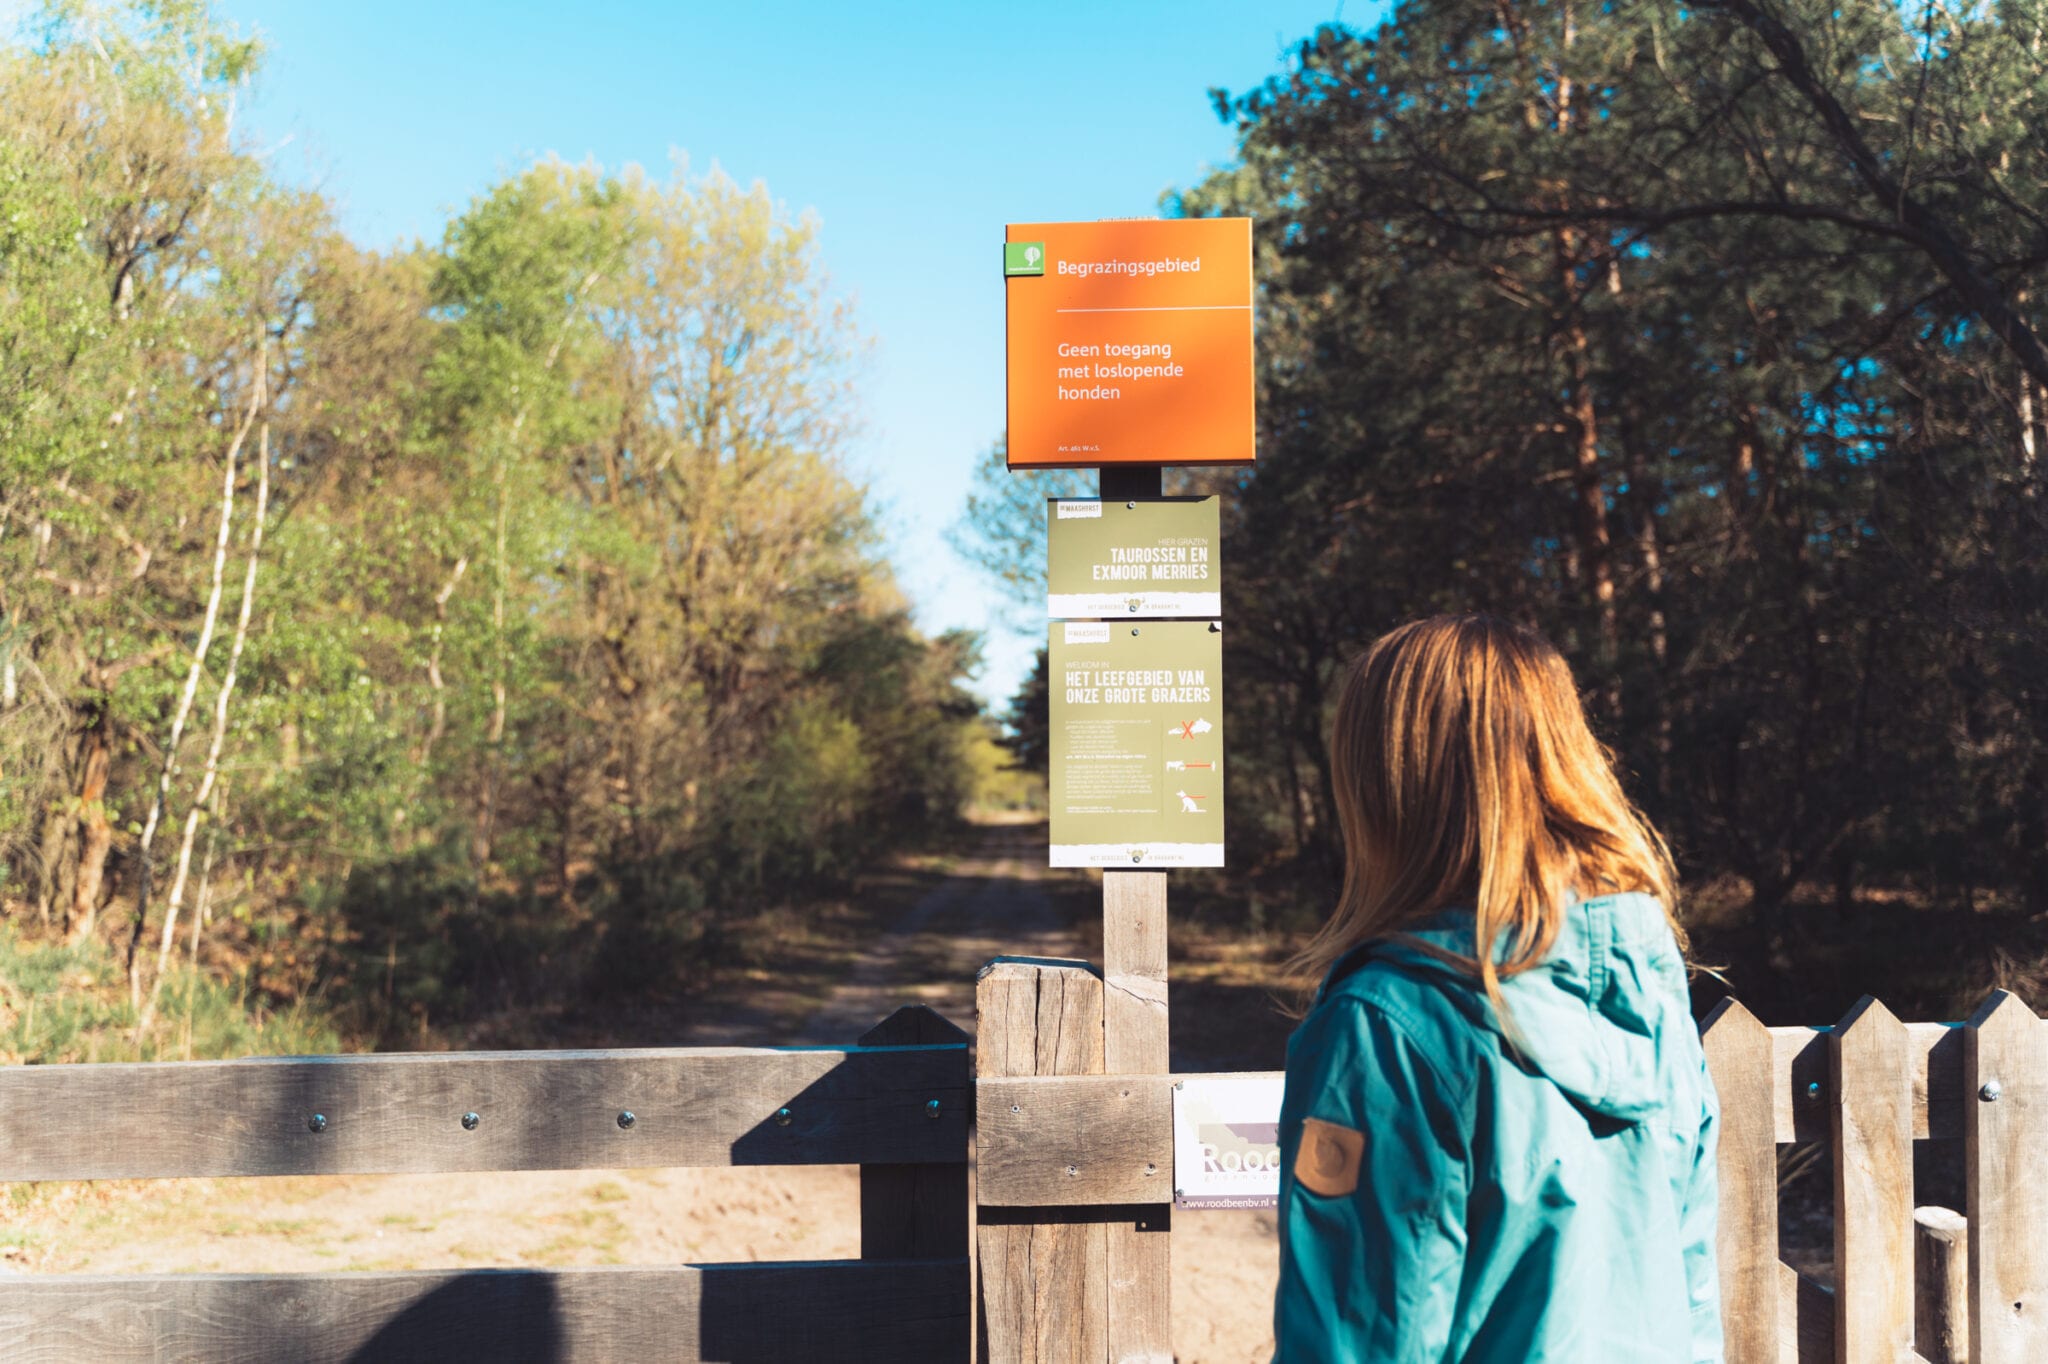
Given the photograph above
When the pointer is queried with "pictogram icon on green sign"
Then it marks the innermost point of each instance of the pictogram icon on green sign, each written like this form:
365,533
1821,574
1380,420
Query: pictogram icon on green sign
1023,258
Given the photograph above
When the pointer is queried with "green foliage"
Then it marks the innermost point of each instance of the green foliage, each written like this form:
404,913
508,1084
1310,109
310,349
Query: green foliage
569,633
1000,783
797,799
1601,321
1002,529
1029,736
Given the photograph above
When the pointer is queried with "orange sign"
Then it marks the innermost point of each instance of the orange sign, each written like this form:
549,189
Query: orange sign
1130,342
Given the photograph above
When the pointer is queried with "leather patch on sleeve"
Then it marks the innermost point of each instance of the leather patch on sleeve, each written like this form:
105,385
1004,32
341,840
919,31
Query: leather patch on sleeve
1328,1158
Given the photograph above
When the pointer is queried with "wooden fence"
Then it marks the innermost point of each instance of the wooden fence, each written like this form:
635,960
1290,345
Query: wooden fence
1069,1158
1909,1283
1073,1112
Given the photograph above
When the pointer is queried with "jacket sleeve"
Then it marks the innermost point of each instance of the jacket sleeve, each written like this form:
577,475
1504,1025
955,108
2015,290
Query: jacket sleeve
1371,1275
1698,1220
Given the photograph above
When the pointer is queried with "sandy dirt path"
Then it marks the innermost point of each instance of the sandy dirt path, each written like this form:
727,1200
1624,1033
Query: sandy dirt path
996,900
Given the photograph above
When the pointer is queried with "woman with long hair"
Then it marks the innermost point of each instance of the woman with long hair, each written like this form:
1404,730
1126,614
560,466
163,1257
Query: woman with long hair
1498,1137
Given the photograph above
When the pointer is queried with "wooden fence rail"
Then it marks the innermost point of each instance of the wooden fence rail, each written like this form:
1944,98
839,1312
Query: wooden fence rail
775,1310
432,1113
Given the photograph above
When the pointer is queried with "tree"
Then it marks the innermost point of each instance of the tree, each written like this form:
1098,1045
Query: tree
1600,319
148,242
475,620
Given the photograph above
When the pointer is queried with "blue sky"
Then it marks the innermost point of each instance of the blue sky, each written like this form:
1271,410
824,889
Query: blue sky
912,131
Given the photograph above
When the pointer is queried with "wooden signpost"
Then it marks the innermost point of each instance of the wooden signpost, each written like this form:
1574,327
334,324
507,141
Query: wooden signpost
1130,349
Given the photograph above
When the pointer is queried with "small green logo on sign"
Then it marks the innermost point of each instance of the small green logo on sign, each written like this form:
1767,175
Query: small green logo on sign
1023,258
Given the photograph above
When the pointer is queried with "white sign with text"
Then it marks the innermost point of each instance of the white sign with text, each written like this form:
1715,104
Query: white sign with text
1226,1141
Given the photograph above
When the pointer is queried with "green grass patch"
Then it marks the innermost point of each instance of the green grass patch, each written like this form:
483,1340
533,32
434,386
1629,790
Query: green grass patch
60,1004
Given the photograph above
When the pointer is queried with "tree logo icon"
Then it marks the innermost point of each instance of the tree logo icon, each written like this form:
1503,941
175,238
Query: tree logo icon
1023,258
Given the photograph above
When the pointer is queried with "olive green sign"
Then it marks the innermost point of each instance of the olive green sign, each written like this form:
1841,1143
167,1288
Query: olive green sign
1137,743
1107,558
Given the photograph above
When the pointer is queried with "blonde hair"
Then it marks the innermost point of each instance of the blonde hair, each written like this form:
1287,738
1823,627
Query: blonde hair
1466,774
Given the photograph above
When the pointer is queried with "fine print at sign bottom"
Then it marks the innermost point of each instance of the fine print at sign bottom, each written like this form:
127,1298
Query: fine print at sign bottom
1226,1141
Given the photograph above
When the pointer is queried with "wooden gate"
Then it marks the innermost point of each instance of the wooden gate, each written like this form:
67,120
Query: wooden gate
896,1105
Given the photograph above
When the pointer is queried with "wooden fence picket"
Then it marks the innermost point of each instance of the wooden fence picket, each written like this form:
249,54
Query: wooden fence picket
1739,1057
1873,1149
2005,1136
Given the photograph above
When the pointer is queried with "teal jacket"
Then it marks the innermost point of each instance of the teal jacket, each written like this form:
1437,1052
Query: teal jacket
1551,1200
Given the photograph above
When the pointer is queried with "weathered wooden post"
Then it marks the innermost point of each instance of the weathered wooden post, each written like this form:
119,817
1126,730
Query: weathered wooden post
1135,1043
1941,1285
1043,1274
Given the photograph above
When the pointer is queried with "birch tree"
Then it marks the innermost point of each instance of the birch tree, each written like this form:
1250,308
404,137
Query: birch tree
223,699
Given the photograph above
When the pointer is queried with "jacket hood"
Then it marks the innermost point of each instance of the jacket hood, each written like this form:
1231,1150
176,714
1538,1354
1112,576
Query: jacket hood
1594,1017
